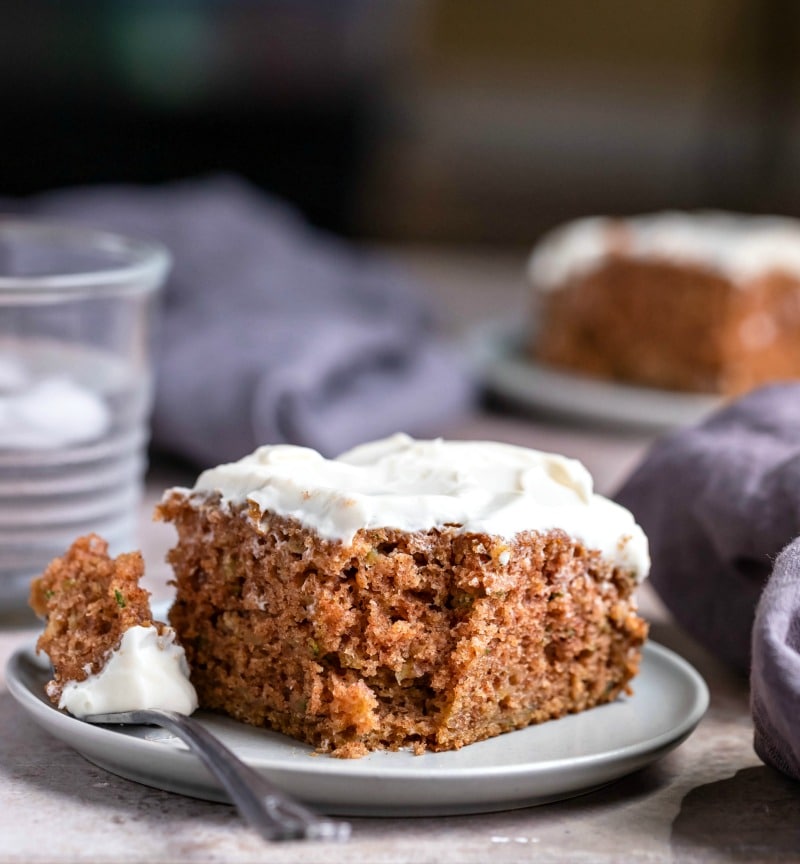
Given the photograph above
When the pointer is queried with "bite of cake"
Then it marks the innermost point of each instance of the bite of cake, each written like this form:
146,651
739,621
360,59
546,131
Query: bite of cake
422,594
107,652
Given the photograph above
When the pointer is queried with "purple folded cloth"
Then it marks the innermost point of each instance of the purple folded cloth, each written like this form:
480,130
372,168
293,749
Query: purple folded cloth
272,331
775,671
719,502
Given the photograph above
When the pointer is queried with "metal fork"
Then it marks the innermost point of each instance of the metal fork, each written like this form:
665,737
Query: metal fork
265,807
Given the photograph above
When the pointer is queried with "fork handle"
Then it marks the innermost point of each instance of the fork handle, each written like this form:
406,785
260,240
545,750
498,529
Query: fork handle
266,808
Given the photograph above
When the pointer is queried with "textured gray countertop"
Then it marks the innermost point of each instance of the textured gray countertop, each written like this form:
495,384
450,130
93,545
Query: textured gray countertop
709,800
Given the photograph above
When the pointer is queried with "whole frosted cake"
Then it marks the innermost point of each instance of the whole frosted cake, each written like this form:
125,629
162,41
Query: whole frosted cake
704,302
422,594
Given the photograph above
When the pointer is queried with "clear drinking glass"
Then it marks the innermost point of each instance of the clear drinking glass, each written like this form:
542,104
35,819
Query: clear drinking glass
76,386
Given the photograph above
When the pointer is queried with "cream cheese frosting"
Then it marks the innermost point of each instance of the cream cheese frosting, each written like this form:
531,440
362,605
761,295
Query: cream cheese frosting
737,246
147,670
410,485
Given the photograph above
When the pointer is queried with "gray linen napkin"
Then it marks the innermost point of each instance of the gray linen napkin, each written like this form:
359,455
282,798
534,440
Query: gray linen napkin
719,502
273,331
775,672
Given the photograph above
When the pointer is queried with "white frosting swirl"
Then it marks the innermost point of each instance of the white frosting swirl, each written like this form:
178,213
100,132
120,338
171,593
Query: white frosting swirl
410,485
145,671
739,247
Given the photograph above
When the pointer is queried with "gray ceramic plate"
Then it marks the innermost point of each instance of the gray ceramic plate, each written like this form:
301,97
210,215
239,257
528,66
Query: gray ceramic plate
500,362
543,763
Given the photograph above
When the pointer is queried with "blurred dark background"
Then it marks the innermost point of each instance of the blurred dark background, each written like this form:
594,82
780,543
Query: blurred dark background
456,121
